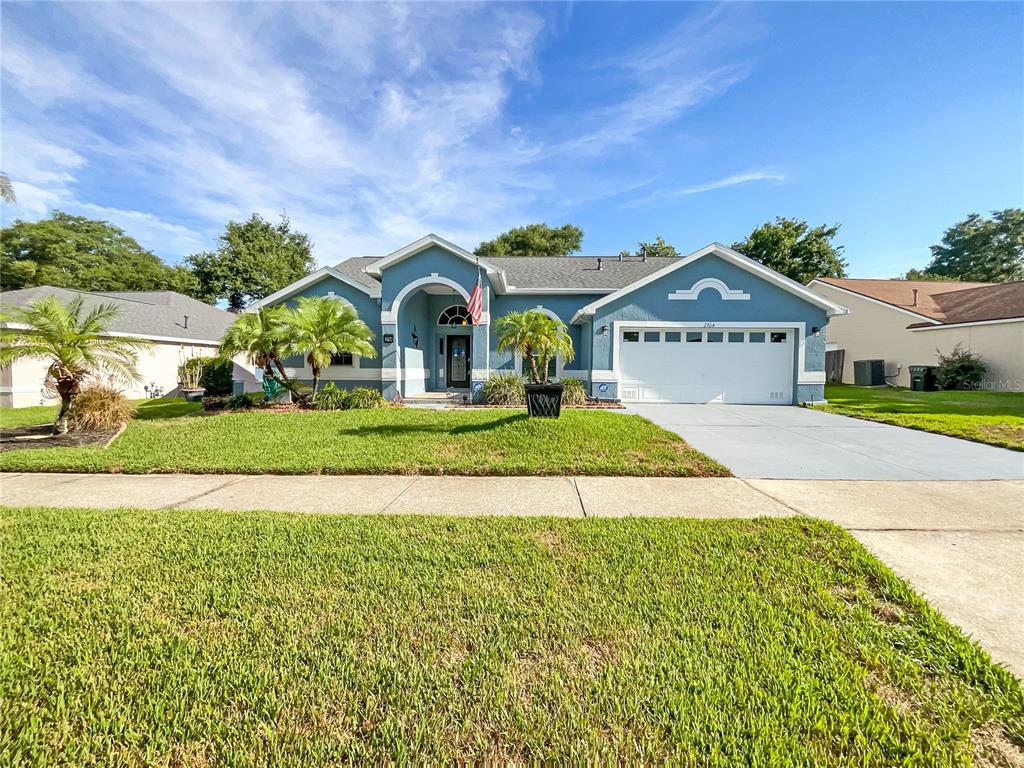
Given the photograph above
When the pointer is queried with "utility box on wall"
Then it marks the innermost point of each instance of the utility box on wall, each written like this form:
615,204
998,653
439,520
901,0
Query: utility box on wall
869,373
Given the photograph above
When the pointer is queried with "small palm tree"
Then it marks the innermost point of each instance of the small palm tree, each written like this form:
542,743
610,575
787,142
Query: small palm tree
260,337
75,342
537,337
321,327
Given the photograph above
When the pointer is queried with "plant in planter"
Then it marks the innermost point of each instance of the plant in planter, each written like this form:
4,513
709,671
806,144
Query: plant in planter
539,339
190,374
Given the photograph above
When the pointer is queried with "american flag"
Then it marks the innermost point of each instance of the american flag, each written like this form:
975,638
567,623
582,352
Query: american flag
475,304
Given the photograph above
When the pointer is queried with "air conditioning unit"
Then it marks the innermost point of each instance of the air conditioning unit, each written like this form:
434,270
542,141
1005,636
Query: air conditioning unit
869,373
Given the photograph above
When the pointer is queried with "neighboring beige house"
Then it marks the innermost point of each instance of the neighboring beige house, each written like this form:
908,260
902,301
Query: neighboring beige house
179,327
904,322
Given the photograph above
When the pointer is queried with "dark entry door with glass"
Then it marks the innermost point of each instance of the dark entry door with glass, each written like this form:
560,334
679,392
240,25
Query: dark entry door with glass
458,361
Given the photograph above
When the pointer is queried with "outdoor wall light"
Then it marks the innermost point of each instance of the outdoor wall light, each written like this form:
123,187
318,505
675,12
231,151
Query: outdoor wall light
604,330
815,329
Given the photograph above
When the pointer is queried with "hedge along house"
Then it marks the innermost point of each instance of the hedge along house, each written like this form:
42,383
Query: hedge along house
713,326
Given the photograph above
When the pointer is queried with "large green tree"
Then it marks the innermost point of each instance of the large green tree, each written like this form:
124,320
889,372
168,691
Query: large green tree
649,250
84,254
254,259
989,250
795,249
534,240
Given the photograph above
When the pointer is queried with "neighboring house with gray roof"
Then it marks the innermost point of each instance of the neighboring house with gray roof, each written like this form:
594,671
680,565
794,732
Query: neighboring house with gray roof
712,326
179,327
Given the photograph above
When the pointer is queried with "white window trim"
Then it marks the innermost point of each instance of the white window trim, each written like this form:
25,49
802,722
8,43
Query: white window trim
517,361
449,325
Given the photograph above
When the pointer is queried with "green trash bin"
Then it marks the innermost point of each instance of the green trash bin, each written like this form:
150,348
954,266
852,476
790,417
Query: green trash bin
922,378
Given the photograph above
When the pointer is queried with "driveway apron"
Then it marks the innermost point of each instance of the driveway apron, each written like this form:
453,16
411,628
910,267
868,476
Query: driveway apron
787,442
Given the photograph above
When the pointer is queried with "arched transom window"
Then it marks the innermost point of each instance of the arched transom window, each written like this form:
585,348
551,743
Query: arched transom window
456,314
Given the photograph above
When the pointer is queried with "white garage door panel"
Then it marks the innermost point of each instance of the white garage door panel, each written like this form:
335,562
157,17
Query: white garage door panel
707,372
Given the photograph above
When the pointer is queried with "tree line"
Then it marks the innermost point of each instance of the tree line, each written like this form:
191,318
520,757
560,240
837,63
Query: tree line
254,258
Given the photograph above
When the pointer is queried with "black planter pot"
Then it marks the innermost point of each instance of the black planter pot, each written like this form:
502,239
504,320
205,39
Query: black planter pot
544,400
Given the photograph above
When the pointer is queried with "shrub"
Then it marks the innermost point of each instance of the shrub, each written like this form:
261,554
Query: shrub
100,408
235,403
504,389
190,372
244,401
365,397
217,377
330,398
574,393
959,369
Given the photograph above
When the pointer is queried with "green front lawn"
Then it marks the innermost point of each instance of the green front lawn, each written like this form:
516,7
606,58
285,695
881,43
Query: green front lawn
996,418
196,638
161,408
385,441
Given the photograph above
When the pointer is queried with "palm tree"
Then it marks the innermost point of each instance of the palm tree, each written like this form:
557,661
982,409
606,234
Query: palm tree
75,342
535,336
552,340
260,337
320,327
6,189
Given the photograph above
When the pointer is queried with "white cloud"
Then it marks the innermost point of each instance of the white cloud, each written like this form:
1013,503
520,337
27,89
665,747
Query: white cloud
734,180
369,124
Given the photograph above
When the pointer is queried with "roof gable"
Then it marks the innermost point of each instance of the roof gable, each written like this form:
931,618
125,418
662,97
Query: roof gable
731,256
423,244
314,277
915,297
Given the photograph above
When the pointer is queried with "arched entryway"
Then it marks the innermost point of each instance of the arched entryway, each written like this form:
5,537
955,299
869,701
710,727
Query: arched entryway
435,338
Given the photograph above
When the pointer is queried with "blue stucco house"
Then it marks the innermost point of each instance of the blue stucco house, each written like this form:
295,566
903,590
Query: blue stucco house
712,326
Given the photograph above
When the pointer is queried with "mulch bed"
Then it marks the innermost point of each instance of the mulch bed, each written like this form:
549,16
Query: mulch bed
41,436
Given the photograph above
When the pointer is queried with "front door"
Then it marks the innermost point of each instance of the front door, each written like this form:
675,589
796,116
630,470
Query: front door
458,361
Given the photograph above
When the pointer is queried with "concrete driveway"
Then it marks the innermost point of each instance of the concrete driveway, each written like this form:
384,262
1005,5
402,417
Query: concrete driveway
786,442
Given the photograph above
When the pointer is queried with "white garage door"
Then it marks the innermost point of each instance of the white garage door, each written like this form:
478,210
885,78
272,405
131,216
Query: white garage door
676,365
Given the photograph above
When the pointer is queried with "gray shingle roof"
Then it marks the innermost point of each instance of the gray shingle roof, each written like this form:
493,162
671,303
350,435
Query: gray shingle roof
576,271
353,268
544,271
142,313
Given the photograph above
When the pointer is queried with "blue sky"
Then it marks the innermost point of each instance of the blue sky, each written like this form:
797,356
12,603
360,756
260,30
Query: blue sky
372,124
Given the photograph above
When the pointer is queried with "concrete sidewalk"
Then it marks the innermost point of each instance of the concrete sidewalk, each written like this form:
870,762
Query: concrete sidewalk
960,543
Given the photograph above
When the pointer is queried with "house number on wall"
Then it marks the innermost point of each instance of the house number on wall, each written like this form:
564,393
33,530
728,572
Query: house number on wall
709,325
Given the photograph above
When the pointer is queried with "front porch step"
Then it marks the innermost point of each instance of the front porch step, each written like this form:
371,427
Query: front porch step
436,399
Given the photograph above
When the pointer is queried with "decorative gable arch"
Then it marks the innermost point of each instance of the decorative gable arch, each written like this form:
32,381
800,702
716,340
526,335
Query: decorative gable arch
709,283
